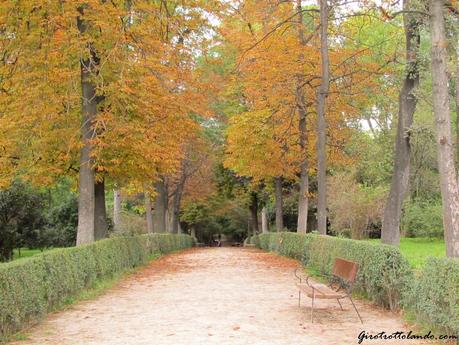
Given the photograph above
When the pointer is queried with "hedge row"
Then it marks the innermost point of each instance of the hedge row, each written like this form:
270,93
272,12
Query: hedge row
385,277
433,295
382,269
31,287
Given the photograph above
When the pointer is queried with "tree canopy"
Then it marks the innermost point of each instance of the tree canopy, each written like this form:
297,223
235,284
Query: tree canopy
211,116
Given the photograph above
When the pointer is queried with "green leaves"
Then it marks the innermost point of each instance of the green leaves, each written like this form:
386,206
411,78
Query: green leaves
434,294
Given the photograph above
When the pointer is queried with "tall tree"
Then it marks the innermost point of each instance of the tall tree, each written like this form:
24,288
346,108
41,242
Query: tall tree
322,94
86,200
303,199
272,135
390,233
196,161
448,174
457,99
253,207
125,53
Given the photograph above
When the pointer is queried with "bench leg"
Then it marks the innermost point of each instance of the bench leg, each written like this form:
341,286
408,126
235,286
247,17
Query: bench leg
312,305
355,309
340,304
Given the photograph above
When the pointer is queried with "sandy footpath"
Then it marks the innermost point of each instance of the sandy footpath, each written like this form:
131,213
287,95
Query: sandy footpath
212,296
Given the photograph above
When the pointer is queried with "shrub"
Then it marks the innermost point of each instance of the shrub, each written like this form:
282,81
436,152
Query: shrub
423,219
131,224
353,207
434,294
62,222
383,270
31,287
20,218
33,219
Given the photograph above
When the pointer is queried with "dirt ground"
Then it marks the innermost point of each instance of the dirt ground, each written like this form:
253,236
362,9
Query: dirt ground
212,296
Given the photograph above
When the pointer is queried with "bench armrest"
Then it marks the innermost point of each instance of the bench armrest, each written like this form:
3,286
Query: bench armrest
302,277
333,281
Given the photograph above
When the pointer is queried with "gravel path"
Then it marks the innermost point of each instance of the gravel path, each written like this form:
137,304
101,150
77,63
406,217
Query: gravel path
212,296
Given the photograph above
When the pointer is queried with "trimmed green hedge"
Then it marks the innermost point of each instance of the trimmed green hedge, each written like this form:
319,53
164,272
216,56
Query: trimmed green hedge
434,295
383,270
31,287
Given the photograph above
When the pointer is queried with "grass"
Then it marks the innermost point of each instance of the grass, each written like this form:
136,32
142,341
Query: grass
416,250
25,253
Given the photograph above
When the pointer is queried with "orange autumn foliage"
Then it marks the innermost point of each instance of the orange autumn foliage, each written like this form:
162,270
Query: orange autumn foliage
146,80
263,140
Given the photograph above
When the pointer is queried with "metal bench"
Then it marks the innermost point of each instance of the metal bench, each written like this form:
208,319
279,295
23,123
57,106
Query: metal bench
340,284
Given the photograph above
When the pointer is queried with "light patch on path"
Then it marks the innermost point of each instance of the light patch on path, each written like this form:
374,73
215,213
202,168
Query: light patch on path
212,296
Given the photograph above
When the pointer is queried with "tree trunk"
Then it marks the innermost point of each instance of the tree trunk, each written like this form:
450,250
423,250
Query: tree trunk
457,99
175,219
279,204
390,233
264,220
448,176
159,215
100,211
86,199
168,221
303,200
116,209
254,213
148,213
322,95
249,230
175,216
193,233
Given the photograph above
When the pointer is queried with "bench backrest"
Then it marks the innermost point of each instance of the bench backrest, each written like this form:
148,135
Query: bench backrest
345,269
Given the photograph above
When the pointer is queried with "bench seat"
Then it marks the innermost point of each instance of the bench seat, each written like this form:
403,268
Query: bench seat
343,277
322,291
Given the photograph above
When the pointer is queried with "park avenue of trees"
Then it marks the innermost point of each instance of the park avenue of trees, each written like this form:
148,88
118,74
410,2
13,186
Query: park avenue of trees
228,117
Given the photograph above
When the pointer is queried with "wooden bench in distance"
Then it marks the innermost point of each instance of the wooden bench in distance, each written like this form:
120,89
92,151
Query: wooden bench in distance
340,285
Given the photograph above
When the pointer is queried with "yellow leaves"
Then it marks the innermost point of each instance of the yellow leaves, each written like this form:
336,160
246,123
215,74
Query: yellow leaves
263,140
255,148
147,83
